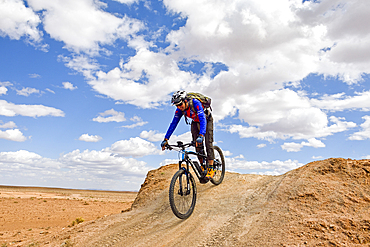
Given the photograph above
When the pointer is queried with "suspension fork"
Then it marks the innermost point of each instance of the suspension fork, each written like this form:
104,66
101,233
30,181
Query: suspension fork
184,159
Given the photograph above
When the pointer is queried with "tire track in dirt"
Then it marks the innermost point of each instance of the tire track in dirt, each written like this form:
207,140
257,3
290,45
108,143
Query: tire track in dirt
155,225
244,219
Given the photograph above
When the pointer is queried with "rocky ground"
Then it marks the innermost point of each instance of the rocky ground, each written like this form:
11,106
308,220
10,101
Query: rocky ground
324,203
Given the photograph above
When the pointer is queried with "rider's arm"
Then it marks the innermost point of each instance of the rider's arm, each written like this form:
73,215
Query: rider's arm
173,125
202,117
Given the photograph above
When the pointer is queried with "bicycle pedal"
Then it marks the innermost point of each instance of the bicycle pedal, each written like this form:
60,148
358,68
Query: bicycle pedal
204,180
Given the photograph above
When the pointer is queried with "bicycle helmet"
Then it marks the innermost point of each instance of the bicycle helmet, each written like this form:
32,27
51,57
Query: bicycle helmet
178,97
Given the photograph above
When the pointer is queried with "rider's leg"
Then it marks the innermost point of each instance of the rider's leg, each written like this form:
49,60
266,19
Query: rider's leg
209,141
195,127
209,146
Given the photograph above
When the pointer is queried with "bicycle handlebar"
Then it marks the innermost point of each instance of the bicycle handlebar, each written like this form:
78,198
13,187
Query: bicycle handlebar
181,145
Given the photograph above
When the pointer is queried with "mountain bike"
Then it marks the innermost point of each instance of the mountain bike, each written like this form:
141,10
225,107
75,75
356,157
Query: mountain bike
183,190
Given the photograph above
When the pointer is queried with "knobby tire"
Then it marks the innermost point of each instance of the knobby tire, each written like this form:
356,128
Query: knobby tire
182,205
219,166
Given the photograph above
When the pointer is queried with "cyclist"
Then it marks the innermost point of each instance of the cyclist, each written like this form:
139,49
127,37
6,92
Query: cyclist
201,126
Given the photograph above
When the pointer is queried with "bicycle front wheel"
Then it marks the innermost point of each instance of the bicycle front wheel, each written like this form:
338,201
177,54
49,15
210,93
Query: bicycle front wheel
218,166
182,194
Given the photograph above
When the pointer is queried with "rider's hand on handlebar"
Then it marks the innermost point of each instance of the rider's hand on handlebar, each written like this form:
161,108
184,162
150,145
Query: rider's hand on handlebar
199,140
164,144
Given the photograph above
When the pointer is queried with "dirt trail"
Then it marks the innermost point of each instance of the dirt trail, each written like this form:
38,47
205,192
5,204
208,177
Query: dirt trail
325,203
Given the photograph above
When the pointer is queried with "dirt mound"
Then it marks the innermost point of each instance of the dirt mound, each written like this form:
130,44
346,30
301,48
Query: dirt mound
155,182
324,203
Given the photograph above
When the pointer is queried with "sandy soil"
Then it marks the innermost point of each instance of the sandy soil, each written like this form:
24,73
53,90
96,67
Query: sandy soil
29,214
324,203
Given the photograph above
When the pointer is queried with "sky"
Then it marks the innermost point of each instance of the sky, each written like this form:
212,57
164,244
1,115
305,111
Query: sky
85,86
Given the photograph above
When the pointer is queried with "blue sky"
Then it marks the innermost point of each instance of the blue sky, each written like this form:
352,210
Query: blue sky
85,86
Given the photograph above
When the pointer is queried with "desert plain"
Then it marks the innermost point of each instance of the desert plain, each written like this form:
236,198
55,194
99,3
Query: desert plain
28,214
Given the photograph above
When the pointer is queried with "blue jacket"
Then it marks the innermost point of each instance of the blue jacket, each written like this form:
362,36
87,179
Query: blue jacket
198,116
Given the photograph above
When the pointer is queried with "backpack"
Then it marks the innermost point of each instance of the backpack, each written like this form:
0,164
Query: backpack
206,103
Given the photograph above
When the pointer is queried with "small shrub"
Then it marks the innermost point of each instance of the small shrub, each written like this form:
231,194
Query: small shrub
76,221
79,220
33,244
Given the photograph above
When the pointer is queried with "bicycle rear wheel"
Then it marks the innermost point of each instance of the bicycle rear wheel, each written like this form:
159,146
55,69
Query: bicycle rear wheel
218,166
182,194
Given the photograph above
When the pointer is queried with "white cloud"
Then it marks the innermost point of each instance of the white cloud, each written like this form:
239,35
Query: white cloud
13,135
344,21
276,167
50,91
69,86
247,132
295,147
90,138
103,163
16,20
276,38
311,126
86,169
22,159
317,157
139,123
83,25
11,110
152,135
161,72
255,42
27,91
169,162
3,90
110,116
364,133
34,75
134,125
82,64
128,2
341,102
227,153
262,145
185,138
6,83
8,125
3,85
135,147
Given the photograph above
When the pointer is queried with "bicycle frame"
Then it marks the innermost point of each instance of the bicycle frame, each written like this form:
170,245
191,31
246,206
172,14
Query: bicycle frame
185,158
